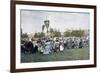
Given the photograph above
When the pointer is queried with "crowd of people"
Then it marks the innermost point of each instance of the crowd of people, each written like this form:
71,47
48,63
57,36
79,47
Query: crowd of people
52,45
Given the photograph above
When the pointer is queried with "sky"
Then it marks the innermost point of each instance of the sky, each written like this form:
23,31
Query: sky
32,20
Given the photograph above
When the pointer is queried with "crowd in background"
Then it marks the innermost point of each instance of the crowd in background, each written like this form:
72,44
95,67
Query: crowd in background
52,45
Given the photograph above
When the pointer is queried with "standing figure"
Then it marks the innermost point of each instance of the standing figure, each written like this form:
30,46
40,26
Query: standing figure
47,48
61,47
81,44
57,46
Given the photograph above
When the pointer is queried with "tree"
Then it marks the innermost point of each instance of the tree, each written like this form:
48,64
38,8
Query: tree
56,33
24,35
51,32
67,33
78,33
36,35
39,35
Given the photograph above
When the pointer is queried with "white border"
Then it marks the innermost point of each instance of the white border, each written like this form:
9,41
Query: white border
52,64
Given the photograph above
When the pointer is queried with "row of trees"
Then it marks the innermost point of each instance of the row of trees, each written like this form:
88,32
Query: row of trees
52,33
76,33
39,35
57,33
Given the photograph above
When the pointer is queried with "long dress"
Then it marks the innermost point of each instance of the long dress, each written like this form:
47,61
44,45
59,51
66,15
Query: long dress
61,48
47,48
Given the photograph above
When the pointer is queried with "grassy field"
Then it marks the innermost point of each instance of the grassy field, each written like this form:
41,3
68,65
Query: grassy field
66,55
